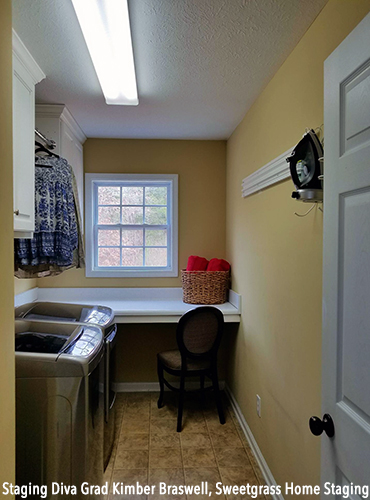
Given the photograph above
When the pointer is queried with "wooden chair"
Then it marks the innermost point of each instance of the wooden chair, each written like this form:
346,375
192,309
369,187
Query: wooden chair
198,335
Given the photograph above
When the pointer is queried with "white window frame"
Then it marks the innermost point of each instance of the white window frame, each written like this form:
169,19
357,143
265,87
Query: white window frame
92,181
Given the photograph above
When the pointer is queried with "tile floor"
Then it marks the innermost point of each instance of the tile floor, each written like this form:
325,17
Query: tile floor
149,450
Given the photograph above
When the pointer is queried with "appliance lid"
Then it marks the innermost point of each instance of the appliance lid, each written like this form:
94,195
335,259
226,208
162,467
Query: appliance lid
55,311
57,339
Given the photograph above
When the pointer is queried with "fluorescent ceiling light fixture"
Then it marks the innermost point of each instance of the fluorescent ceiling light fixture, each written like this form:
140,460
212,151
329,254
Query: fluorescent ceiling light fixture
105,25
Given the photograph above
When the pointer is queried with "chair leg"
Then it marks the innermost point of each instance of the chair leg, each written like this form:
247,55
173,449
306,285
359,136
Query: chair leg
161,384
216,390
181,403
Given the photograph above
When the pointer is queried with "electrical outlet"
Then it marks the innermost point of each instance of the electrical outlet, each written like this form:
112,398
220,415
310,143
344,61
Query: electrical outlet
258,405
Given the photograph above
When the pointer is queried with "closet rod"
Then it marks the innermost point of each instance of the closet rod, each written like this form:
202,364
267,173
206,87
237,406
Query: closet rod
48,142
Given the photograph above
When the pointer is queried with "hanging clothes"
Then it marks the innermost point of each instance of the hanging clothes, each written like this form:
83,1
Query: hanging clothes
57,242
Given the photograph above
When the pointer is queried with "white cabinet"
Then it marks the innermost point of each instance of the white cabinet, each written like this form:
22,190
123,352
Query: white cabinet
26,73
57,123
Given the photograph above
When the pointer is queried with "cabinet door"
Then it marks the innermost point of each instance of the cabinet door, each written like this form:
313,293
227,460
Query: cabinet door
23,150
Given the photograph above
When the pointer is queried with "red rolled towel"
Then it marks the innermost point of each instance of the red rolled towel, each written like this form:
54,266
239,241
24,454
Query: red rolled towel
218,265
196,263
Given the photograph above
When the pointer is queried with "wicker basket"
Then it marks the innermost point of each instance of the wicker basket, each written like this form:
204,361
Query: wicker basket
205,287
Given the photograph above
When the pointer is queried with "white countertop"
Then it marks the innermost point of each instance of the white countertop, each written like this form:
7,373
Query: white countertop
131,305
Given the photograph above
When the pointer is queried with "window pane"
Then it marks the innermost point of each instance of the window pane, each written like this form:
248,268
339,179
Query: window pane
132,257
156,196
132,195
156,257
132,238
108,237
108,195
108,257
108,215
156,237
132,215
154,215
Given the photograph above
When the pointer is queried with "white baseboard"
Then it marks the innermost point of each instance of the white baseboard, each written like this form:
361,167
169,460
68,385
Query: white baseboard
154,386
266,472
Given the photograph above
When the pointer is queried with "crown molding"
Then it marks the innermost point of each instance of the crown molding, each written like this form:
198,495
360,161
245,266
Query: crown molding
21,52
61,111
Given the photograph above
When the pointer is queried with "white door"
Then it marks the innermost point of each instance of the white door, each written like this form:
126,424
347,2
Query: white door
346,271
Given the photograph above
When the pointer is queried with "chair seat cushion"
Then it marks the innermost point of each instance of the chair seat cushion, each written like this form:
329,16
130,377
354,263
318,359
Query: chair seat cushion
172,359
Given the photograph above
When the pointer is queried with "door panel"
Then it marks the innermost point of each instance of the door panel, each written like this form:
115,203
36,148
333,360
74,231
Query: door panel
355,109
354,293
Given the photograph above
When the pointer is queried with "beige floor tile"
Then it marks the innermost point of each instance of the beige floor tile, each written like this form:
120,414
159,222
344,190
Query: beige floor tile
212,414
120,400
165,458
191,425
168,411
170,399
193,415
239,476
134,441
137,424
228,439
118,420
131,459
198,457
162,426
128,477
137,400
154,395
216,426
136,411
108,473
171,476
169,440
131,397
256,468
195,440
195,476
236,457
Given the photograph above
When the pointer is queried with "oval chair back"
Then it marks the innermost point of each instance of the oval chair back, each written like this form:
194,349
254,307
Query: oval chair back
199,333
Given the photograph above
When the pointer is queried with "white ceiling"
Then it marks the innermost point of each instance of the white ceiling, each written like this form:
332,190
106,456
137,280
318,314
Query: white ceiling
200,63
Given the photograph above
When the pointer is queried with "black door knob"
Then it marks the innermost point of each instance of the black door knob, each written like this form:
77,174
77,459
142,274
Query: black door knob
317,426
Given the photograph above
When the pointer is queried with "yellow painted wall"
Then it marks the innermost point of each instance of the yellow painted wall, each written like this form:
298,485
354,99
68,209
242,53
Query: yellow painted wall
7,388
277,258
201,168
23,285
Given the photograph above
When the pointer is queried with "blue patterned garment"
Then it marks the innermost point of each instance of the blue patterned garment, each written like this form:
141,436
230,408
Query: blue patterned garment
56,229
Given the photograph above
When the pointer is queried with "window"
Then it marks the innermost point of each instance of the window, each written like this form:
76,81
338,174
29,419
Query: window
131,225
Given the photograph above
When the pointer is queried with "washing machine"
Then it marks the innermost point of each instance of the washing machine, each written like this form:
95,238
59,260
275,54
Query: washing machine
97,315
59,404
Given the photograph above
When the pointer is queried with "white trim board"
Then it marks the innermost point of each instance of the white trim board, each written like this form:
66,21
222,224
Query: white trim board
273,172
266,472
